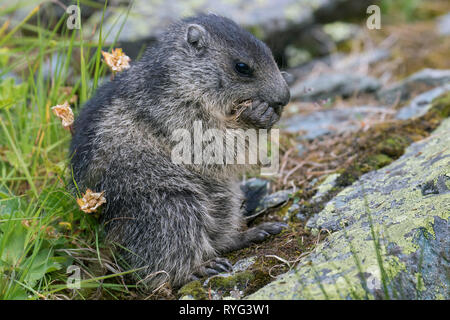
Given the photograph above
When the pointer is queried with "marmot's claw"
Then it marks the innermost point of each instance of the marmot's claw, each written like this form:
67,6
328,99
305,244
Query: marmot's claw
222,268
213,267
211,272
203,272
223,264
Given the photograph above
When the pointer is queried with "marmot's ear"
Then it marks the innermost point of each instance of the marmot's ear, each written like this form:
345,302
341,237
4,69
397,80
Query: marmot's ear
196,36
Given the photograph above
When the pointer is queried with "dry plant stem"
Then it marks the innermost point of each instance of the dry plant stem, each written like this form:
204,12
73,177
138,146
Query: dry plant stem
241,107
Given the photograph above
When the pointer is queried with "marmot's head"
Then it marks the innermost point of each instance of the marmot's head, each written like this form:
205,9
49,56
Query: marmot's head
216,62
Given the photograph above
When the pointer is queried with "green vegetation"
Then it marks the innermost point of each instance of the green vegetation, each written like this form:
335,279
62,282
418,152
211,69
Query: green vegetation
403,9
42,230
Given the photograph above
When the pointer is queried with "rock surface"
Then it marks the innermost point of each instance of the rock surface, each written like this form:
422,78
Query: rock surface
273,200
326,185
339,62
407,205
330,85
443,25
254,190
426,78
421,104
277,22
329,121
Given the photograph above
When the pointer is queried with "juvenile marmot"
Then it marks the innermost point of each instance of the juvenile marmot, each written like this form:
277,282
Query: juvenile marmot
172,217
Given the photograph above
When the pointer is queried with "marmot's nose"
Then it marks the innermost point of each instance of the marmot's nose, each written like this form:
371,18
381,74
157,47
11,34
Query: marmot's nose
282,97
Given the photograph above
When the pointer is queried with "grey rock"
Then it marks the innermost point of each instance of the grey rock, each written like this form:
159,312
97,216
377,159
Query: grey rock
431,77
294,211
257,198
440,185
238,271
301,217
274,200
405,205
443,25
254,190
302,71
325,187
244,264
330,85
147,19
277,22
255,184
402,90
340,63
362,60
330,121
421,104
301,149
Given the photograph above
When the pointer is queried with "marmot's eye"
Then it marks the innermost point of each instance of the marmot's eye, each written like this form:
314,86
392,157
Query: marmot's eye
243,69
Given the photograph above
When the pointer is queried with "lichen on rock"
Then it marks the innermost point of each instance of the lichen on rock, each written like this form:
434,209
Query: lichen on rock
389,238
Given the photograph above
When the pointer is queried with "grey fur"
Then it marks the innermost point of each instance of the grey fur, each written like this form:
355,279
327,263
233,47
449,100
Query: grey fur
176,218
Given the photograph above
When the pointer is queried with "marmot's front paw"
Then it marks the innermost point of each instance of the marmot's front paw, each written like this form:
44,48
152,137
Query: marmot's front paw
261,115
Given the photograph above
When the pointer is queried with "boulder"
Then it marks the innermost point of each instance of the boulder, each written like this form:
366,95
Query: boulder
338,62
273,200
443,25
277,22
331,121
331,84
419,81
389,234
255,190
324,187
421,104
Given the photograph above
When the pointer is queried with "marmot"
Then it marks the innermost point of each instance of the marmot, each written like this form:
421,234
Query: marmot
175,218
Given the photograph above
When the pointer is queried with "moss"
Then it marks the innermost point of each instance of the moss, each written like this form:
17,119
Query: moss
260,279
194,289
240,279
441,106
349,175
393,146
283,211
376,161
386,142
